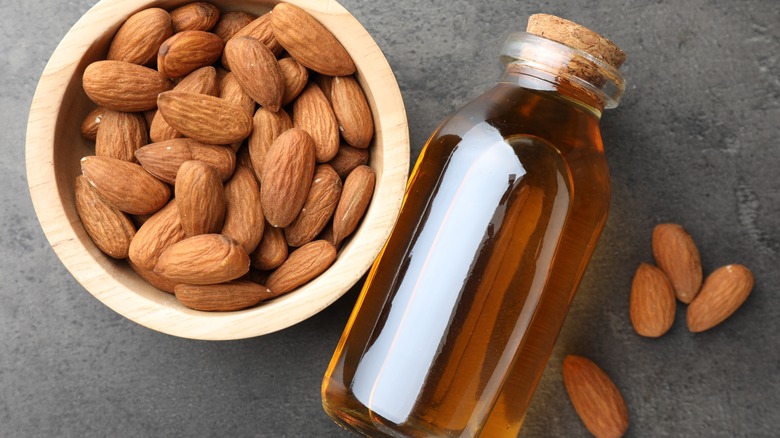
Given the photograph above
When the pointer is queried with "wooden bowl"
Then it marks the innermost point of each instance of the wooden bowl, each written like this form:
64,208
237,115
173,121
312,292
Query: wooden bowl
55,146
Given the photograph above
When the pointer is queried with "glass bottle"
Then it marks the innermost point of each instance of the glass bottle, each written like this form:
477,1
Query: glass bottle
503,209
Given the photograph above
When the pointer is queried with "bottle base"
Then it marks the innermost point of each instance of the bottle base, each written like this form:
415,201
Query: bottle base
372,425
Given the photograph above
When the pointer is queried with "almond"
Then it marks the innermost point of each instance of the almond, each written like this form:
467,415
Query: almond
230,90
125,186
309,42
287,175
267,127
595,397
261,30
295,77
317,210
200,81
233,295
195,16
203,259
352,111
152,278
244,219
272,250
205,118
347,159
89,126
201,198
230,23
110,229
120,135
163,159
652,302
162,230
723,293
676,254
313,114
122,86
303,264
188,51
355,197
249,59
140,37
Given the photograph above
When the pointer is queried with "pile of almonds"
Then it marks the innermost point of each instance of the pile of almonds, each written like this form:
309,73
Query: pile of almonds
595,397
237,144
679,274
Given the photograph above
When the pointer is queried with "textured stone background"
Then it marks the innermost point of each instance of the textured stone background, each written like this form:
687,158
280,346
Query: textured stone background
695,141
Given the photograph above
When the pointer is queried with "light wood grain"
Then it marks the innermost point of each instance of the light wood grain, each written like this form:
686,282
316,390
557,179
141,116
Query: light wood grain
54,147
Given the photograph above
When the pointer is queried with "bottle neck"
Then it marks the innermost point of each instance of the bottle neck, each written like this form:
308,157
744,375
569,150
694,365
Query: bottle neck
538,63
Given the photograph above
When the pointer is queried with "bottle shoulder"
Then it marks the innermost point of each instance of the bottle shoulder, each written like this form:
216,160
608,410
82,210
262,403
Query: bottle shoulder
514,110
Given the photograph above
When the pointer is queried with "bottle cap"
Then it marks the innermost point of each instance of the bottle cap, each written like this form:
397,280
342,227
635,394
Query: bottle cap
573,35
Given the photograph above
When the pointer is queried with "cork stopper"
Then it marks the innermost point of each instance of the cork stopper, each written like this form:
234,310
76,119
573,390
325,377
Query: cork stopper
576,36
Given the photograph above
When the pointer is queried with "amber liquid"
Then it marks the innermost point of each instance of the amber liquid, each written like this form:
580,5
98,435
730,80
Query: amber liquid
460,312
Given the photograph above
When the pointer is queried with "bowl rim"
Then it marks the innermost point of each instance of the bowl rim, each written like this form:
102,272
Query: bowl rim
146,305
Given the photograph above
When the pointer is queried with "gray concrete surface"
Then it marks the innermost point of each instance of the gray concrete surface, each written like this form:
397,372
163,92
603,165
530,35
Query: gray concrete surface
695,141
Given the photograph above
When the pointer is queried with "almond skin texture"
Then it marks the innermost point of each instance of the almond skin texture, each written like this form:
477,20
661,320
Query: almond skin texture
723,293
201,81
320,203
287,175
313,114
676,254
356,123
244,219
652,306
261,30
347,159
249,59
272,250
140,37
200,197
125,186
230,90
122,86
188,51
163,159
355,198
195,16
224,297
203,259
230,23
595,397
162,230
295,78
267,127
303,264
89,127
205,118
120,135
309,42
110,229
